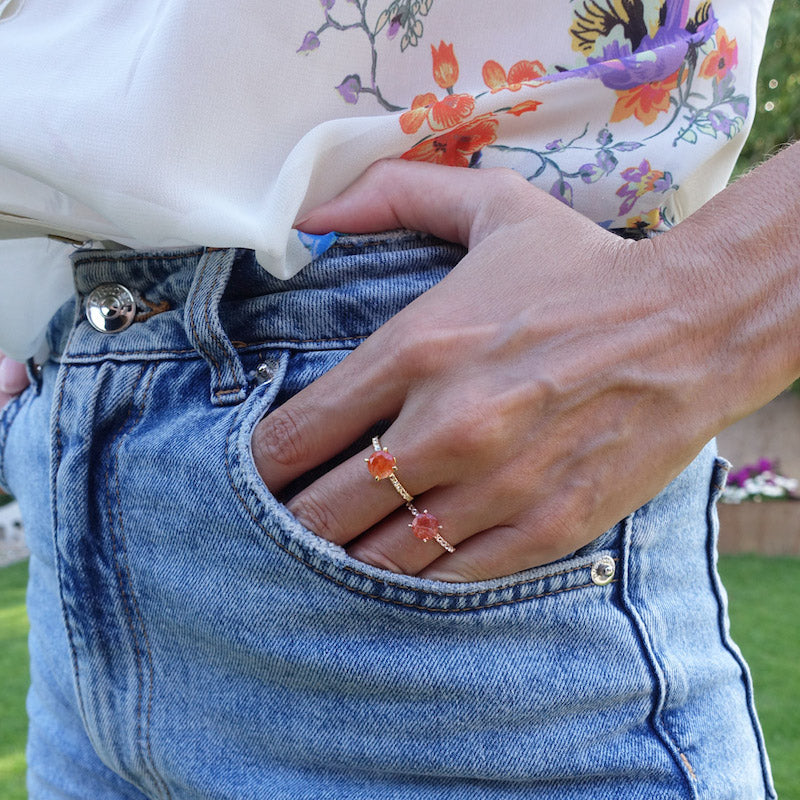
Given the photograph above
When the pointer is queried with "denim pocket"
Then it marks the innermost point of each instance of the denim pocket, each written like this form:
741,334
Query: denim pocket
595,565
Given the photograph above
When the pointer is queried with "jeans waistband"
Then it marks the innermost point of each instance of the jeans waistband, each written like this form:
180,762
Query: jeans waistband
216,302
213,302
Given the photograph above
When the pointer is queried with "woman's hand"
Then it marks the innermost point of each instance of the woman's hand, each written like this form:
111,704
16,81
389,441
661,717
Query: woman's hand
13,378
551,384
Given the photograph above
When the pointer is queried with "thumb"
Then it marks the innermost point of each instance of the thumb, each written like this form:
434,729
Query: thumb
453,203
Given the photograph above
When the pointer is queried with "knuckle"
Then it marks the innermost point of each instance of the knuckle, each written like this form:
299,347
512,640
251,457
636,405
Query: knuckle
506,179
382,168
418,353
507,197
476,425
279,438
508,187
316,516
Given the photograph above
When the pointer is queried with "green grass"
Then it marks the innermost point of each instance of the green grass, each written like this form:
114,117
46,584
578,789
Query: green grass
764,611
13,680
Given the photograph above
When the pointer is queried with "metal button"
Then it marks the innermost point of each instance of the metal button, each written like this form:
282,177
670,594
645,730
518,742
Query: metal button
265,370
603,570
110,308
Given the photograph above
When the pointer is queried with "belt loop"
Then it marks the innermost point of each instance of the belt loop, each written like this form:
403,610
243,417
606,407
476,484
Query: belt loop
205,331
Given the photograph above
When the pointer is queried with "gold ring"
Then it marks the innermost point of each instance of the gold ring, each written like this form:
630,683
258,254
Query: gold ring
425,526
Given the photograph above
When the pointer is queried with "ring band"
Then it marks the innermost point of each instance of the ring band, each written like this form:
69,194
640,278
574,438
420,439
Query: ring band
425,526
401,490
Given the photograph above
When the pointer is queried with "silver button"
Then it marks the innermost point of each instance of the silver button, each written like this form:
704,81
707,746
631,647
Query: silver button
110,308
603,570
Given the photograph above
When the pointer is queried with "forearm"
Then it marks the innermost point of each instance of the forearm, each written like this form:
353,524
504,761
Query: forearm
740,257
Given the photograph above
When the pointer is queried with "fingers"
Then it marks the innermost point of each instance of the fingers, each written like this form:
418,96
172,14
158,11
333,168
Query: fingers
324,419
449,203
13,379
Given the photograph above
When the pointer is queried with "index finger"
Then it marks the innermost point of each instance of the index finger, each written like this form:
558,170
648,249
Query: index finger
324,418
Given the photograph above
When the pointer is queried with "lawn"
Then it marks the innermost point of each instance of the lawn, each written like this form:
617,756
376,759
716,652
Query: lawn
764,611
14,680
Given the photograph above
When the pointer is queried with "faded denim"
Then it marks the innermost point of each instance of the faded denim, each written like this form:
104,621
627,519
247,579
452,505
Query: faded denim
190,639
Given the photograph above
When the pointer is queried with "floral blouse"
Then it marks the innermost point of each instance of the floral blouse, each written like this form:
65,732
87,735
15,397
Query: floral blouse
212,124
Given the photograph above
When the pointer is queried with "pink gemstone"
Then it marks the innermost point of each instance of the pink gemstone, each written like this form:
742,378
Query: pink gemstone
425,526
381,464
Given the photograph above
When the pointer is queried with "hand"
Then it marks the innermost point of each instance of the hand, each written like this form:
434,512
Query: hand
13,378
551,384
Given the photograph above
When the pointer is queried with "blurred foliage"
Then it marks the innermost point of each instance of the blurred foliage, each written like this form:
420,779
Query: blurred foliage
777,108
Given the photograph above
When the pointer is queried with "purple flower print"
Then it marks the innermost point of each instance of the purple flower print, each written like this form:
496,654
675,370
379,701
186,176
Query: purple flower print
349,88
394,26
638,182
605,163
740,106
604,137
310,42
719,122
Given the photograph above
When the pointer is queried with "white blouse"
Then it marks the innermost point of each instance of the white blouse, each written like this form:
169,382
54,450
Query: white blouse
161,123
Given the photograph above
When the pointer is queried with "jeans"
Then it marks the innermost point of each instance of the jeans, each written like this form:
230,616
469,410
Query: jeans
191,639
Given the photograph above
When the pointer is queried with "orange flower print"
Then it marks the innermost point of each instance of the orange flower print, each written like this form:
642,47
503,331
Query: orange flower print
523,73
441,114
445,65
521,108
719,62
645,102
456,147
453,109
411,120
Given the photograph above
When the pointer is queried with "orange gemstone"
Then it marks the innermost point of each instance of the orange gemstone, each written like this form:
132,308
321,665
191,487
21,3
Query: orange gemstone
425,526
381,464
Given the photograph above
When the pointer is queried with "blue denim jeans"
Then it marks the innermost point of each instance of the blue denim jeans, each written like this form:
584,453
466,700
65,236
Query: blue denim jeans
190,639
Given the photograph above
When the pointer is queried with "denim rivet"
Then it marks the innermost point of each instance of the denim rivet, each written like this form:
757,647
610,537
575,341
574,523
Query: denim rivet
110,308
603,570
265,370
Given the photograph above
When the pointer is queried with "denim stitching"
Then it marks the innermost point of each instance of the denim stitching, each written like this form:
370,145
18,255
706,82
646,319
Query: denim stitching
654,667
159,778
727,644
216,339
416,606
502,588
190,302
102,255
120,580
270,343
688,765
391,584
53,472
121,560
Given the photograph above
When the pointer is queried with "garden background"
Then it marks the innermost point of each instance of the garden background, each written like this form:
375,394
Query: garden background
764,598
